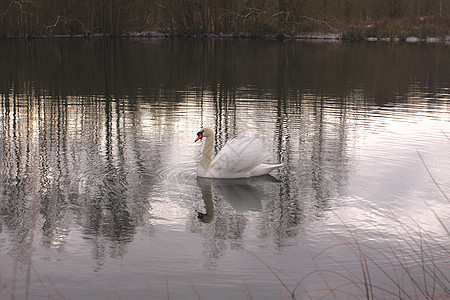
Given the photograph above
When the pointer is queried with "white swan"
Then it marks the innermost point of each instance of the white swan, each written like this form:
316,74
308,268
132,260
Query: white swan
240,158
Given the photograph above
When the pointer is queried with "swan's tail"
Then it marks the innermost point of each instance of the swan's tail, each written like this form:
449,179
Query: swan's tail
263,169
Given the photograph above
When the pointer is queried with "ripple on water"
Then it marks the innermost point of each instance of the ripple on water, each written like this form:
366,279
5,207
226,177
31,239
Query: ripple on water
181,173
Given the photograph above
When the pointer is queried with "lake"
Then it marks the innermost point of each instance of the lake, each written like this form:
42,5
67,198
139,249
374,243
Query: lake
99,196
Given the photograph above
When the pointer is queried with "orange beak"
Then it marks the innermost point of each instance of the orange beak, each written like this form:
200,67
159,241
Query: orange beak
199,136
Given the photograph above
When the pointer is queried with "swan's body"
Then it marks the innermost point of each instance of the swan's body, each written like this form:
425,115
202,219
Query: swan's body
239,158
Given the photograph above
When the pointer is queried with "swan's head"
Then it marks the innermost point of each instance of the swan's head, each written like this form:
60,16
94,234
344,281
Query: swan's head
204,132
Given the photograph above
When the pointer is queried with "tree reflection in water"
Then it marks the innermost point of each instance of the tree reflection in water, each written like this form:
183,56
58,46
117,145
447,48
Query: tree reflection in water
86,127
64,163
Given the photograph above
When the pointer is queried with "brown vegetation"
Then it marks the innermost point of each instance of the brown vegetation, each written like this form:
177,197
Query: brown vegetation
19,18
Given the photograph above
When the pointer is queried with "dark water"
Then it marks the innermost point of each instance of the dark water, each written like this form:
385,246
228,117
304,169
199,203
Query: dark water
98,187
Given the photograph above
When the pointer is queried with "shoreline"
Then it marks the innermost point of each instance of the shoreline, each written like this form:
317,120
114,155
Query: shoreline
282,37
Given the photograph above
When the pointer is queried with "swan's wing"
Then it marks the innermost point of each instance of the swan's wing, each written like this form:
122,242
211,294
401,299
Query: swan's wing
240,155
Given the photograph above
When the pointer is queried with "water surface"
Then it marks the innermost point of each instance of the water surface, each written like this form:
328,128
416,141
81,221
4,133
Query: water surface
98,187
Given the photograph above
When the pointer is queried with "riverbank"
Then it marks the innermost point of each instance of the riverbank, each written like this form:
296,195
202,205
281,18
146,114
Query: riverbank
421,20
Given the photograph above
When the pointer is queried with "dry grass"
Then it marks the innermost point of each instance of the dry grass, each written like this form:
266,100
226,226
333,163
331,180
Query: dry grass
414,267
398,28
8,289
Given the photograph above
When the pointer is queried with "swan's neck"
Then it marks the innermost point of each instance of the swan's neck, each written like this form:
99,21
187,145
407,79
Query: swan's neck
207,152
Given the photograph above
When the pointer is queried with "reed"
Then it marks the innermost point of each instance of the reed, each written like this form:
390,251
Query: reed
415,267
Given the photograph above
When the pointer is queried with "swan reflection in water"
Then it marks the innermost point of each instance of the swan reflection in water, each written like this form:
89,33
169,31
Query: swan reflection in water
224,218
242,194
